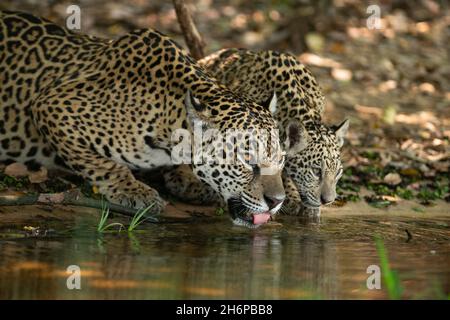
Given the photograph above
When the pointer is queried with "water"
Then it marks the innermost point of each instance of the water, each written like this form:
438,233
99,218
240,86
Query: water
210,258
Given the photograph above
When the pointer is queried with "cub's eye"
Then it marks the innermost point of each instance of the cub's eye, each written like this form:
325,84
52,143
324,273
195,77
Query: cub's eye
317,172
256,170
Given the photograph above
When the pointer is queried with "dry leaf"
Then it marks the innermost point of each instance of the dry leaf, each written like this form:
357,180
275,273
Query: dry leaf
315,60
390,198
441,166
414,186
392,178
341,74
16,170
411,172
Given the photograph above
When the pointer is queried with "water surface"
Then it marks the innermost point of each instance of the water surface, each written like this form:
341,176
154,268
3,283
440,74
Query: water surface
291,259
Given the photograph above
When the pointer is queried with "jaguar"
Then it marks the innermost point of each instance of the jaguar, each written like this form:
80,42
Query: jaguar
102,108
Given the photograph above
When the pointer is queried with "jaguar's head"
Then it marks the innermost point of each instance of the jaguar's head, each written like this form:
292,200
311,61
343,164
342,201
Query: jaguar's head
314,161
239,155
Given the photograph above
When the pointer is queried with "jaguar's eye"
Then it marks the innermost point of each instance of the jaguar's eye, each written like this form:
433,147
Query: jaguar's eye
317,172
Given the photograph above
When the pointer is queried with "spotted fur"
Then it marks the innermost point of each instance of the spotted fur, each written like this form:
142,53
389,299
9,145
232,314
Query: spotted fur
102,107
313,165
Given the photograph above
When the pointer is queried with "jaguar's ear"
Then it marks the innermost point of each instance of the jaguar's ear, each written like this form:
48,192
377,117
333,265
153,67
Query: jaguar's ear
341,131
195,111
297,138
271,104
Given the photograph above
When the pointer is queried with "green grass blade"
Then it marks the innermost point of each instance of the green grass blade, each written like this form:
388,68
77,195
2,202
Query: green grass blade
138,218
120,225
102,227
390,277
104,216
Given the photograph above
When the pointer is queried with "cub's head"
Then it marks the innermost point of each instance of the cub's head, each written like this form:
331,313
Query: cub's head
236,151
314,161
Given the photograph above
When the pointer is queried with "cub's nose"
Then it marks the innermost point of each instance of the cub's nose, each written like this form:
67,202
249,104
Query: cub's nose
272,202
326,199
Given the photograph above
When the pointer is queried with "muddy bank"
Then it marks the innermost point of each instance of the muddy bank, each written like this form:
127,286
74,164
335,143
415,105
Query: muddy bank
182,212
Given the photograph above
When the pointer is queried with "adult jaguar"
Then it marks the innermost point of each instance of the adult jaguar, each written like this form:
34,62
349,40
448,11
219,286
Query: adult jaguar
313,165
103,107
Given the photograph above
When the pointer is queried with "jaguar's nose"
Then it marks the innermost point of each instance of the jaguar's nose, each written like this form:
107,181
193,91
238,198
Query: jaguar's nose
272,202
326,200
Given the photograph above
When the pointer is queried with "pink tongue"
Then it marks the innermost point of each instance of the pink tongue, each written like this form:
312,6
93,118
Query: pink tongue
261,218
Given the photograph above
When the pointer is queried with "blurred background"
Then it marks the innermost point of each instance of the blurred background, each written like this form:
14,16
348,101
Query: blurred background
392,81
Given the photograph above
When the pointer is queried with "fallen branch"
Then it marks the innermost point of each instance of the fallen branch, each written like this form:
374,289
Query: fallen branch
72,197
191,35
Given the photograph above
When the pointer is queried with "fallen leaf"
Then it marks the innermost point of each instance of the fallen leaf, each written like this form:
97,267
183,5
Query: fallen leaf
410,172
441,166
16,170
341,74
315,60
430,173
392,179
390,198
414,186
427,87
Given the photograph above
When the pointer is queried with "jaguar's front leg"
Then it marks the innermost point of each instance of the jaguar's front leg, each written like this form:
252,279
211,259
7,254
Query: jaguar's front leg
117,183
292,204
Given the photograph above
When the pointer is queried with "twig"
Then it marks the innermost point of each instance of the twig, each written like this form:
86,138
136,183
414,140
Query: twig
71,197
191,35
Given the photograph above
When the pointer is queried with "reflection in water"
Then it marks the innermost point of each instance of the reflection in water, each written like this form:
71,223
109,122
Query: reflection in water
295,260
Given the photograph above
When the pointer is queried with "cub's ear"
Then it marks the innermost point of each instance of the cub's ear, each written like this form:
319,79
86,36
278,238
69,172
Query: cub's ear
195,111
271,104
297,138
341,131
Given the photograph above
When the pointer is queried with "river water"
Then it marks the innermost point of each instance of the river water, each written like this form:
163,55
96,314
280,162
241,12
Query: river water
291,259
